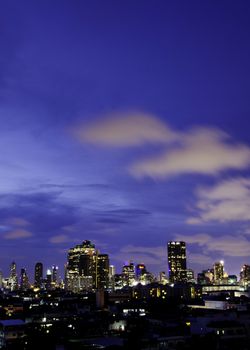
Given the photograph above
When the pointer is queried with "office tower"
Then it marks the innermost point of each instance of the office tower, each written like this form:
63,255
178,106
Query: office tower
140,270
218,272
24,280
245,275
177,261
54,277
81,259
128,273
38,275
163,278
142,275
111,270
48,282
85,270
206,276
102,271
13,279
190,276
111,277
232,279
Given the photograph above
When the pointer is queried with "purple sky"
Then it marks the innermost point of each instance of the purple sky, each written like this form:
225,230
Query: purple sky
126,123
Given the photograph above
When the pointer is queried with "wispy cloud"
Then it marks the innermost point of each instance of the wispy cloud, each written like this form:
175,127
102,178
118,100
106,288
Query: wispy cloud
59,239
201,151
125,129
197,150
17,234
228,200
16,221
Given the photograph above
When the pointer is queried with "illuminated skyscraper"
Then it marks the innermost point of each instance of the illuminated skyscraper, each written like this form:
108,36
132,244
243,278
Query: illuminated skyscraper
102,271
48,282
163,278
24,280
245,275
54,277
38,274
218,272
177,261
128,273
140,270
13,280
86,268
111,277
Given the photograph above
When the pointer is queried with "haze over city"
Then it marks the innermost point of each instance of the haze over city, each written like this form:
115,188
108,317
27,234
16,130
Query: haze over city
127,124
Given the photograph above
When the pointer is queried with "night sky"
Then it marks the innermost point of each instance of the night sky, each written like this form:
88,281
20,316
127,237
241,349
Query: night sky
125,123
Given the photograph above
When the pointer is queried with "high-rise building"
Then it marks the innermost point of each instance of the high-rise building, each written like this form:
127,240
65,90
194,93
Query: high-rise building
163,278
128,273
54,277
177,261
86,268
111,277
13,279
245,275
24,280
140,270
218,272
102,271
38,275
48,284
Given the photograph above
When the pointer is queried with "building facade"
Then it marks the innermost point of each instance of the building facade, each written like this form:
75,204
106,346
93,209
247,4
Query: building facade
177,261
87,269
38,278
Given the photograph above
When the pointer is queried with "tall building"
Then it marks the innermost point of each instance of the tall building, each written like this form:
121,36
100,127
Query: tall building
86,268
38,275
140,270
102,271
128,273
54,277
218,272
111,277
163,278
245,275
24,280
13,279
177,261
48,282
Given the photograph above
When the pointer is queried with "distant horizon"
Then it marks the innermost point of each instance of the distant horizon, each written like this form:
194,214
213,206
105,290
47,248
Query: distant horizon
61,268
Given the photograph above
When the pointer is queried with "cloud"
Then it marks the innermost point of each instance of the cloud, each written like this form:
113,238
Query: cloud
59,239
228,245
16,221
201,151
226,201
125,129
197,150
17,234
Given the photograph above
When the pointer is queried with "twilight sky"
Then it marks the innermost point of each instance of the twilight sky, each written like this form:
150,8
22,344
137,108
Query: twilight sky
126,123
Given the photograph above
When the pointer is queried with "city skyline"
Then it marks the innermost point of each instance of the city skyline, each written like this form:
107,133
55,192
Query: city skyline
176,270
125,123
